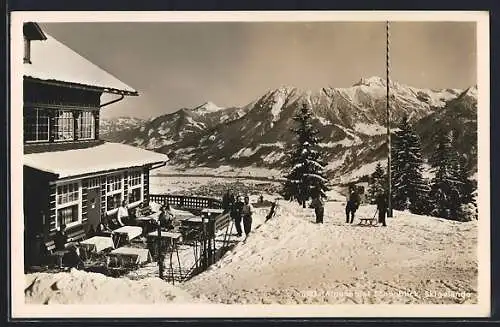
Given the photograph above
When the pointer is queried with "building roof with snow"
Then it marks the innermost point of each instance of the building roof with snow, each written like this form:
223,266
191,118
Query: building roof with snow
100,158
55,63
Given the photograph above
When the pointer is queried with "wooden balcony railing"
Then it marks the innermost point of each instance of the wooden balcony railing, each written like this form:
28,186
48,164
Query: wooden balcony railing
186,202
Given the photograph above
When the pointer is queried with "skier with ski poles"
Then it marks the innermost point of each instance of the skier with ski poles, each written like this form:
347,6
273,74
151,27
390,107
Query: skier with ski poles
382,208
352,205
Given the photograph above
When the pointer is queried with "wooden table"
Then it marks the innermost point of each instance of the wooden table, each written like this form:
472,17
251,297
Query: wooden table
148,222
166,234
172,238
125,234
153,216
168,241
211,211
130,256
192,223
146,219
97,244
191,219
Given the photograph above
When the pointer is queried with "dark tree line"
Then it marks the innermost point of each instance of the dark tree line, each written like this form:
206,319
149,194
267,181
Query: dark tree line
449,194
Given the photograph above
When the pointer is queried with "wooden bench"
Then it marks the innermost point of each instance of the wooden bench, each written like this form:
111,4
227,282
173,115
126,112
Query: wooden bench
368,221
51,248
77,235
222,221
73,236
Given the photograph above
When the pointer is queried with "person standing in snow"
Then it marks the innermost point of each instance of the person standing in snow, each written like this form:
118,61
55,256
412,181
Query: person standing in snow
454,200
352,205
246,213
319,208
227,201
122,214
162,217
236,214
382,208
60,239
166,218
272,211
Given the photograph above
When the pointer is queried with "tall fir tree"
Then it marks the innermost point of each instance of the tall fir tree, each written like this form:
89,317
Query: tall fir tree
443,163
377,183
467,188
306,177
451,187
409,188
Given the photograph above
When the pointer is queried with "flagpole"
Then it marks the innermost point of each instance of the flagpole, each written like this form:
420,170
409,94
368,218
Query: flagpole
389,173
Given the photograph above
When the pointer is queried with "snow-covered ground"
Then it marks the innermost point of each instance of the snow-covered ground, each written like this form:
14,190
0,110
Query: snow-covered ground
290,259
78,287
223,170
210,186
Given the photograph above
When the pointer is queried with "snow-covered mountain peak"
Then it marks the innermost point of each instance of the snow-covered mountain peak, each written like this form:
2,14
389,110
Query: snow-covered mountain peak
371,81
283,90
471,91
350,122
207,107
276,99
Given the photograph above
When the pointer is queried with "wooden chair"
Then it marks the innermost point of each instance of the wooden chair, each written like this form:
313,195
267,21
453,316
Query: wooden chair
53,253
77,235
73,236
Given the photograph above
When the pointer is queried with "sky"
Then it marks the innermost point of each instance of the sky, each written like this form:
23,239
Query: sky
183,65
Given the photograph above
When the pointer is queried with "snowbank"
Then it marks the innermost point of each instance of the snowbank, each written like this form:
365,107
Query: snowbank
79,287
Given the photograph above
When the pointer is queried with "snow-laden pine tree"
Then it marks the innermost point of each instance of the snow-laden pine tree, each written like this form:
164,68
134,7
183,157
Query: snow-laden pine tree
451,187
443,161
377,184
306,176
409,188
467,189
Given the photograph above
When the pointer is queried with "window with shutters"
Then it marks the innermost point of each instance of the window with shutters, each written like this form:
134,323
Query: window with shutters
135,187
114,191
68,204
64,125
86,125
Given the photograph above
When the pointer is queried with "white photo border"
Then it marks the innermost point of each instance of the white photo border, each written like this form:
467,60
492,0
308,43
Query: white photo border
22,310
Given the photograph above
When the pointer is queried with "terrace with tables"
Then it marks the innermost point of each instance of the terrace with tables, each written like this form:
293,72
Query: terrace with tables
201,235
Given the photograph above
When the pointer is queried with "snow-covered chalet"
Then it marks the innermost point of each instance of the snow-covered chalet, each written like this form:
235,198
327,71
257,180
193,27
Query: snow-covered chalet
71,177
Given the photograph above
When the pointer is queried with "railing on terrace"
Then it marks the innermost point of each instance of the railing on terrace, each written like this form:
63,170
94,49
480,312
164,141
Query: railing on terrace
202,235
185,201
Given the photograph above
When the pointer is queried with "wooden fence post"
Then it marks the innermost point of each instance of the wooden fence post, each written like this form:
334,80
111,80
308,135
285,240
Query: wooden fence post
160,254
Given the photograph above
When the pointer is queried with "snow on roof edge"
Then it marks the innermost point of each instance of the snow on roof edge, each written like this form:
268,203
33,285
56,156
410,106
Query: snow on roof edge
97,159
69,67
84,86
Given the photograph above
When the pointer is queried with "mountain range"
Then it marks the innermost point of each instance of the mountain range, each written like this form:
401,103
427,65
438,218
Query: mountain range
350,122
